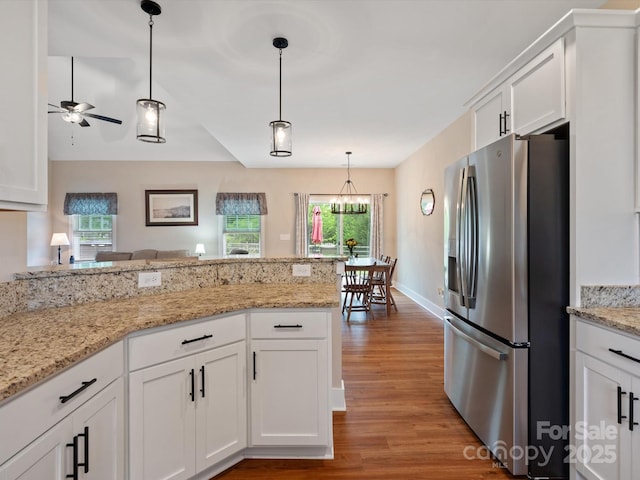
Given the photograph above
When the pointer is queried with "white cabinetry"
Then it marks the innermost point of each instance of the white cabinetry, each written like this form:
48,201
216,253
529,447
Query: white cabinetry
187,398
290,384
607,406
78,428
23,137
532,98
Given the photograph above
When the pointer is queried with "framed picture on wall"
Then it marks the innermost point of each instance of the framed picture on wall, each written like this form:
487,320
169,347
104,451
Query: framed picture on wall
171,207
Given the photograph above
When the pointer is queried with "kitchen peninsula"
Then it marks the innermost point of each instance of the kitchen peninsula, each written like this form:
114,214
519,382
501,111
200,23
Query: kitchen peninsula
230,322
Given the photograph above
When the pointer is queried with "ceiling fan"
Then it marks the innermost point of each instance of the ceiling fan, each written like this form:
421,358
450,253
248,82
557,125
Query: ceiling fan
74,112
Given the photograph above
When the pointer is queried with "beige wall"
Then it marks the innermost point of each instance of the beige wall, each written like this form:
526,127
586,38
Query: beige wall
420,238
622,4
13,243
130,179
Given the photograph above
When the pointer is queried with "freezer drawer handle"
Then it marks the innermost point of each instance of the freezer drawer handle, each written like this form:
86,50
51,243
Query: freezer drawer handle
622,354
492,352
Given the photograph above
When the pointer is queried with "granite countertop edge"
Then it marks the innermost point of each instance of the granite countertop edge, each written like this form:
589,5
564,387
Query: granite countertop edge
39,344
624,319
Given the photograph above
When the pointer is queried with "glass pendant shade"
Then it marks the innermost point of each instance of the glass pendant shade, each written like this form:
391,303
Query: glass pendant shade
150,123
280,138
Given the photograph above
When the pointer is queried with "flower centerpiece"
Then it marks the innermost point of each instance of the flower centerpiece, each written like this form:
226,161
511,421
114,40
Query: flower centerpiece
350,243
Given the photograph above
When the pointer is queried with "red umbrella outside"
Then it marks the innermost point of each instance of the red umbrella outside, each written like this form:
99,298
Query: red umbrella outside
316,226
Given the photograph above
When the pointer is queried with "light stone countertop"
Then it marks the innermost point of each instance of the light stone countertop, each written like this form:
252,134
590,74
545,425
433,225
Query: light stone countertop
625,319
35,345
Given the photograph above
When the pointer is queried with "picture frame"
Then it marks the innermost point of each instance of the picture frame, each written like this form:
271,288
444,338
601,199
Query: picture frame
167,208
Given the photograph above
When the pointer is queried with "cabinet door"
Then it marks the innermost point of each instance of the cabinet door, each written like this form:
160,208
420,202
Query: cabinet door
101,419
221,413
602,447
46,458
162,421
488,122
289,392
537,91
23,139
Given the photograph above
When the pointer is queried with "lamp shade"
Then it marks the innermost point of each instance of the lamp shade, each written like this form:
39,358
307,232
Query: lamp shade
58,239
150,120
200,248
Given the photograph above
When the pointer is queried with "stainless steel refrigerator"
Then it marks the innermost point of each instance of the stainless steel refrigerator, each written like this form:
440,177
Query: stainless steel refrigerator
506,263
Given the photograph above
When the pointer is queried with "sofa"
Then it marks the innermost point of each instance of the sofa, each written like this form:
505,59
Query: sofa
145,254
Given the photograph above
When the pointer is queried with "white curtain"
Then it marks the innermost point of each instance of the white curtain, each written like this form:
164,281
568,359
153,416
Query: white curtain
302,207
377,224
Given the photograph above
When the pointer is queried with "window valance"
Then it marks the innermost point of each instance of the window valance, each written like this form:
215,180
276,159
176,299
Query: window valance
91,204
241,204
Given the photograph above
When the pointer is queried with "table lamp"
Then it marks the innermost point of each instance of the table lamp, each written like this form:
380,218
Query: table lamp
200,248
59,239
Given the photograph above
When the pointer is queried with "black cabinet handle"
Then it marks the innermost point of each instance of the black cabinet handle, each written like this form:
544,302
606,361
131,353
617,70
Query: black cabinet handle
503,121
254,365
204,337
85,385
202,379
631,400
193,385
622,354
620,416
288,326
85,464
74,445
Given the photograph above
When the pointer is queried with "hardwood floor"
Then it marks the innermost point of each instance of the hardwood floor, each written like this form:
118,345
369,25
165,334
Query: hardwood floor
399,423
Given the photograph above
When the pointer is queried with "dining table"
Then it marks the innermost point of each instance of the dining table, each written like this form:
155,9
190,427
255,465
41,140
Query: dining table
353,264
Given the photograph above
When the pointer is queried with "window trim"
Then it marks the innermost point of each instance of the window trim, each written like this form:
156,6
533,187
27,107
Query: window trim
221,233
72,238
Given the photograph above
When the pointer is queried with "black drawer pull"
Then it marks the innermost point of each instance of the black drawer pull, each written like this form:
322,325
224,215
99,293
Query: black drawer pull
204,337
622,354
85,464
74,445
193,385
85,385
288,326
632,399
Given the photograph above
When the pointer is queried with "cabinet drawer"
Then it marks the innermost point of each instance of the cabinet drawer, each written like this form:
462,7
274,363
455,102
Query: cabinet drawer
299,324
33,412
161,346
596,341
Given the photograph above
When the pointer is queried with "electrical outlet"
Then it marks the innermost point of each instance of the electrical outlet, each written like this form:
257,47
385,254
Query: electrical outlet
149,279
440,292
301,270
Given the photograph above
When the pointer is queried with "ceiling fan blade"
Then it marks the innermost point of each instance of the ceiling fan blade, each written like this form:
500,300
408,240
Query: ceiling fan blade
84,123
101,117
57,111
52,105
82,107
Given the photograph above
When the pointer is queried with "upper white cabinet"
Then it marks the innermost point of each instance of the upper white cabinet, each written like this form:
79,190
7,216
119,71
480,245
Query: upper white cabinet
23,136
529,100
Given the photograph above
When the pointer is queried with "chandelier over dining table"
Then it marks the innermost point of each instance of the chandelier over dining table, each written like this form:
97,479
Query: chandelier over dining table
349,202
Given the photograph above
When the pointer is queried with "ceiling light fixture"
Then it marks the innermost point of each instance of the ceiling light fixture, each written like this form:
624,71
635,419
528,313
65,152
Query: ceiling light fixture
150,126
347,202
280,129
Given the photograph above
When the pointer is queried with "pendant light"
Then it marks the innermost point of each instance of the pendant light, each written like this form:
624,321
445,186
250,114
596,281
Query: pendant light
150,113
348,202
280,129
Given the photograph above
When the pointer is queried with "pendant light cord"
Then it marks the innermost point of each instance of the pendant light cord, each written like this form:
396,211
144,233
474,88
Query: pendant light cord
280,114
150,53
71,79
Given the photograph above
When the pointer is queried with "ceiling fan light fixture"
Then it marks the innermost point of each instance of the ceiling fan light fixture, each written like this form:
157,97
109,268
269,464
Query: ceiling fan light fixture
72,117
150,113
348,201
280,129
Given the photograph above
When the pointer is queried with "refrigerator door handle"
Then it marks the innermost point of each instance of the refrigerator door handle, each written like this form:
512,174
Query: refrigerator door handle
472,246
461,236
492,352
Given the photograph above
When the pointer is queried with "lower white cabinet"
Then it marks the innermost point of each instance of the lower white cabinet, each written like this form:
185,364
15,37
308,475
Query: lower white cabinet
607,406
188,414
88,444
290,381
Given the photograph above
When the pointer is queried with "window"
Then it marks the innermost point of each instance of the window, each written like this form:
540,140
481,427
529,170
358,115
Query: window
91,234
242,232
336,229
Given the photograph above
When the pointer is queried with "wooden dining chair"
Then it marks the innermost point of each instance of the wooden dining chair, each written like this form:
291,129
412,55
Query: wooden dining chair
357,290
379,287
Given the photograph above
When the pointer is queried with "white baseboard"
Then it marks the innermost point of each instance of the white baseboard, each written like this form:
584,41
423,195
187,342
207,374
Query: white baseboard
425,303
338,400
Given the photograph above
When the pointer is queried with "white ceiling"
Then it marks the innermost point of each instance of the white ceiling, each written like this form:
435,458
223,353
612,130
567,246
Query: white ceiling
376,77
